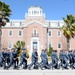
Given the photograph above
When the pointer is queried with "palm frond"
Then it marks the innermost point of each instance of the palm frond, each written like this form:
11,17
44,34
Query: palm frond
19,45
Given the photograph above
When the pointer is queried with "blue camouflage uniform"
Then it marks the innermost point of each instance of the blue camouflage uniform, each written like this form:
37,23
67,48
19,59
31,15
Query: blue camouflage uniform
23,60
4,54
70,55
34,59
36,62
1,59
11,59
15,59
74,59
61,58
65,60
44,58
8,58
54,58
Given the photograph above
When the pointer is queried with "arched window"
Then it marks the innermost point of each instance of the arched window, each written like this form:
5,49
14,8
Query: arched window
35,32
49,45
59,45
9,45
59,33
49,33
10,33
20,33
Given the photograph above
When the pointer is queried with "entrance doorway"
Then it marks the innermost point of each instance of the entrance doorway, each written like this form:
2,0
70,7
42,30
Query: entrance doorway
35,45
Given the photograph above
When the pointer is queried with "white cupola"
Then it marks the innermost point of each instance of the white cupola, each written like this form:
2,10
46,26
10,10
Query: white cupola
35,11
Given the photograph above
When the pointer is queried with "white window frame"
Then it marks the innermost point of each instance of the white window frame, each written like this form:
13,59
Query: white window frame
8,33
61,45
49,43
57,33
2,34
11,45
33,32
51,33
21,33
1,44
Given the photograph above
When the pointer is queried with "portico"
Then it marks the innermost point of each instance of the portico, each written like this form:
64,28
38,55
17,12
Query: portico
35,44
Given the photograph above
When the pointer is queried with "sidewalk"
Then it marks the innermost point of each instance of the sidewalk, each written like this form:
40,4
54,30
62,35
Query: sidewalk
37,72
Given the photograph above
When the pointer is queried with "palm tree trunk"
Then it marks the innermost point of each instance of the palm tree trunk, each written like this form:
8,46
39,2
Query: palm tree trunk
0,37
68,43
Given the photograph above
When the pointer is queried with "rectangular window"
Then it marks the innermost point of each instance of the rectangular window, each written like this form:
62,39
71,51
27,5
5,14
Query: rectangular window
59,33
20,33
9,45
35,33
10,33
59,45
49,33
1,33
49,45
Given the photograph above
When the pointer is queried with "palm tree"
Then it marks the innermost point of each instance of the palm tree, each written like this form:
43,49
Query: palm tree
19,45
5,13
69,28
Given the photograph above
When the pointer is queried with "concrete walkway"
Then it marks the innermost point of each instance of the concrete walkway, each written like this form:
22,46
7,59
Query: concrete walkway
37,72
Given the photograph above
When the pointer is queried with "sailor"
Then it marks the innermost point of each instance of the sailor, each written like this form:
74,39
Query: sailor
23,59
54,58
34,59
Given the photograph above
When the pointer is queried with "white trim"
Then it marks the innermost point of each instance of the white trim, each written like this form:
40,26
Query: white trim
48,33
21,33
57,33
2,33
49,43
11,45
8,33
1,44
34,39
33,32
57,45
39,23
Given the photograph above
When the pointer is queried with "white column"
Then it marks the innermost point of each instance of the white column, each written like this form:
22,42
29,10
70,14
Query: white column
31,48
38,48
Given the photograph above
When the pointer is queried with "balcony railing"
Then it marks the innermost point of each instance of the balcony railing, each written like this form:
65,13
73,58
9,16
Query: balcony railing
35,35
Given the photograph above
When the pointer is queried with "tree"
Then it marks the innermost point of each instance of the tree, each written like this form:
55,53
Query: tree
49,51
5,13
19,45
69,28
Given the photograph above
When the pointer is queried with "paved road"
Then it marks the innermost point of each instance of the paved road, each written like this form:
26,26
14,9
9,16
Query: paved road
37,72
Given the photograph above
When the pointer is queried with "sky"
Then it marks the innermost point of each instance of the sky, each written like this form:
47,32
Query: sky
53,9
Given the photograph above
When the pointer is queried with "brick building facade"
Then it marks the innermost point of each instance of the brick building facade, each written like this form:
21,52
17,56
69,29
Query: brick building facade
37,32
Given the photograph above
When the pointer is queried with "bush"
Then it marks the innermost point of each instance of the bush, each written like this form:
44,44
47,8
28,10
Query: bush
27,54
19,45
49,51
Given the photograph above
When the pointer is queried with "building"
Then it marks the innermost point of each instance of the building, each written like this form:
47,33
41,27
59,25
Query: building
37,32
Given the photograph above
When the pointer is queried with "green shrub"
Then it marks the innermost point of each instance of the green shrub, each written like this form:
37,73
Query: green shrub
49,51
19,45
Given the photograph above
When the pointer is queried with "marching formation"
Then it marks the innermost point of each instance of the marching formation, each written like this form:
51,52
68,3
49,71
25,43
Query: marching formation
65,60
